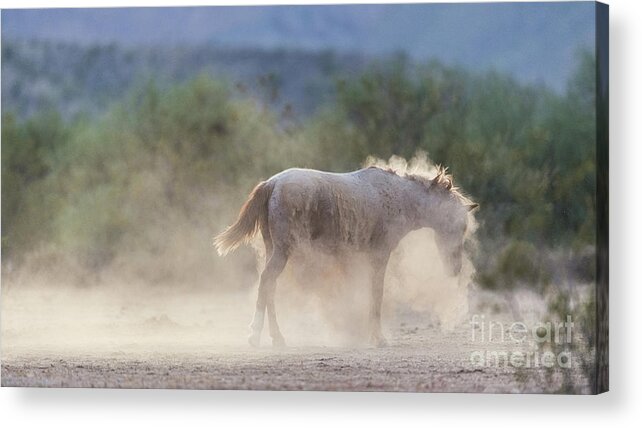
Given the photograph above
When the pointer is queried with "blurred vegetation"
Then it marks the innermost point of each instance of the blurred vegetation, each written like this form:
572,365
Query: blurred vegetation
84,80
572,304
168,165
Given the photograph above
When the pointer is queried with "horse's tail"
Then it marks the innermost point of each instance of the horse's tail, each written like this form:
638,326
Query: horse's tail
254,211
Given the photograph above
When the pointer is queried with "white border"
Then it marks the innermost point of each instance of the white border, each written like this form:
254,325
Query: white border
27,4
81,407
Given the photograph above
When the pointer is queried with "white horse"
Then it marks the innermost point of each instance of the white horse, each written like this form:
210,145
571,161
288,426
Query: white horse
367,211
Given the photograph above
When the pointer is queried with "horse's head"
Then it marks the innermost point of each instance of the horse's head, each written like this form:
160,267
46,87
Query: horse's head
446,212
450,238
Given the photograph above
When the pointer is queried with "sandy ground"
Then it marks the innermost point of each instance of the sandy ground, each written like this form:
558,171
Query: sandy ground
417,360
392,369
165,352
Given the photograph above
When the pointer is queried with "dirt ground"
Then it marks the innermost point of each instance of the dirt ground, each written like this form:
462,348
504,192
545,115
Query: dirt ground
416,360
164,351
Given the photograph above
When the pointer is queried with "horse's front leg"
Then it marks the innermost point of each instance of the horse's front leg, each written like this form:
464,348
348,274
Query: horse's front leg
378,263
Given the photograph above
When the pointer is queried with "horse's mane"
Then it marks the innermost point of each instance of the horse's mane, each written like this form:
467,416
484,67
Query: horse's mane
443,180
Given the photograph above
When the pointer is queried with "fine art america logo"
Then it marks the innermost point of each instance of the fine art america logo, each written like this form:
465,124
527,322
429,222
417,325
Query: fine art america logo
542,344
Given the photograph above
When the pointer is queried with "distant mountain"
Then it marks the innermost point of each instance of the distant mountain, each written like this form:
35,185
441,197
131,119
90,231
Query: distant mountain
536,42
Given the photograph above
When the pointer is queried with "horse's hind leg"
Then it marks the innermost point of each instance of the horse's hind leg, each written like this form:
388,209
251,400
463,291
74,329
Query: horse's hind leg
267,238
267,285
275,333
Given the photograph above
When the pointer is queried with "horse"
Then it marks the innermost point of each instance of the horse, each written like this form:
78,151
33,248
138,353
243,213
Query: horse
367,211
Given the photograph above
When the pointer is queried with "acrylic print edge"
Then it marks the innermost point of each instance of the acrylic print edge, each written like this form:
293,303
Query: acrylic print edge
601,381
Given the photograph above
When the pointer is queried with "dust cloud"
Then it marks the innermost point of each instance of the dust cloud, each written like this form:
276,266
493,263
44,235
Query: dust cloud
206,304
416,278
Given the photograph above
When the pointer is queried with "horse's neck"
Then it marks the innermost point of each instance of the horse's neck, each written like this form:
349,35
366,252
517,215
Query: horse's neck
418,208
407,213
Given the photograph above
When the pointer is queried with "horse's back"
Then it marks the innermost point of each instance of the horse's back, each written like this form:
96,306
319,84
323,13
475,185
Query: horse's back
323,207
308,180
306,188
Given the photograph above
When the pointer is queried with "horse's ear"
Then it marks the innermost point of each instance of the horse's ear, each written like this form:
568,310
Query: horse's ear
472,207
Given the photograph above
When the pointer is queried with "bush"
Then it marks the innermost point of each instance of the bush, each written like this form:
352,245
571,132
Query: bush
172,164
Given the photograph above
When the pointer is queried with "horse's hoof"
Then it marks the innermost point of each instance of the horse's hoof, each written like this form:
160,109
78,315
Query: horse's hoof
379,341
254,340
278,342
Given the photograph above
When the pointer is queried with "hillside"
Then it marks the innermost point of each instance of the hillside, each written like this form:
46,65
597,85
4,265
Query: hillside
76,79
